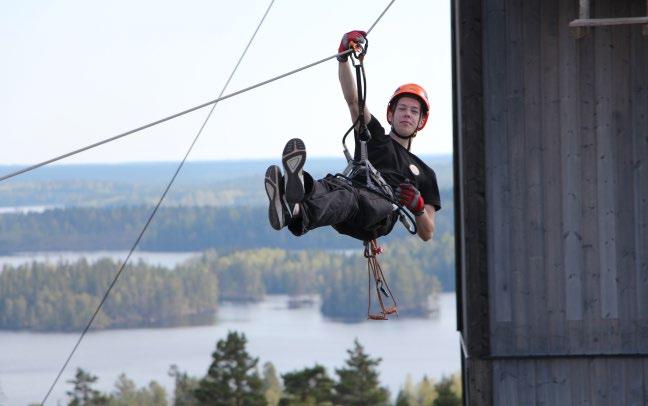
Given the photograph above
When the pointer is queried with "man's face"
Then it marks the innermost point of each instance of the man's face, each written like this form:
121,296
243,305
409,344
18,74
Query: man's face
406,116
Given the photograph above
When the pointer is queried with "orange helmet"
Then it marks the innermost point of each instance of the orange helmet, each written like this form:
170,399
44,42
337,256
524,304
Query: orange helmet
413,90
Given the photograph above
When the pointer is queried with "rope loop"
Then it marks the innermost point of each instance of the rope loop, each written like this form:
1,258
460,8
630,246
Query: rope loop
372,249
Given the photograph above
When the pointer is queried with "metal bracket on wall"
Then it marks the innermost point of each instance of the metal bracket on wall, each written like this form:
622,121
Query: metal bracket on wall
582,25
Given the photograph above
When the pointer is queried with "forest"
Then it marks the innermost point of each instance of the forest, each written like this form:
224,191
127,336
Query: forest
44,296
193,228
233,378
206,183
103,207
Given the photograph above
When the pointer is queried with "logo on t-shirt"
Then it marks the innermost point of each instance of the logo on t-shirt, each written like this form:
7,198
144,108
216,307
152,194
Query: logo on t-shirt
414,169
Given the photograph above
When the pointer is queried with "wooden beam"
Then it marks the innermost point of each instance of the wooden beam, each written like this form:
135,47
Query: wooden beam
582,24
599,22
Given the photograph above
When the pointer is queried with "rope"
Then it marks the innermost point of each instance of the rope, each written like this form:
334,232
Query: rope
182,113
155,209
374,269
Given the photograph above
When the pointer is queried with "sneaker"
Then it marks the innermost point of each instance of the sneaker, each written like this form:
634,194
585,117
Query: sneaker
277,212
293,159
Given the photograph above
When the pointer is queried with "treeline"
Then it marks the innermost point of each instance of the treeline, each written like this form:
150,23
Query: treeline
214,183
44,296
173,229
124,192
62,297
233,378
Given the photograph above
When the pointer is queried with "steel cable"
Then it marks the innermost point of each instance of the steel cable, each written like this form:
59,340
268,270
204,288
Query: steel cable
182,113
170,183
153,212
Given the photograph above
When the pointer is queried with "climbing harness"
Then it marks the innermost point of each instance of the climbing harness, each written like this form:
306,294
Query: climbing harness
361,167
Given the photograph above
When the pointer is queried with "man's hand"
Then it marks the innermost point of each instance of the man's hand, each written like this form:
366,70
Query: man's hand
356,36
410,197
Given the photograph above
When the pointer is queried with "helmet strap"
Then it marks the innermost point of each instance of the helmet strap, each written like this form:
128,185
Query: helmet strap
403,137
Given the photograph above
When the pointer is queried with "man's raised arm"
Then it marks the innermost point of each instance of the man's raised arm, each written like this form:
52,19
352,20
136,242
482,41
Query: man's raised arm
346,76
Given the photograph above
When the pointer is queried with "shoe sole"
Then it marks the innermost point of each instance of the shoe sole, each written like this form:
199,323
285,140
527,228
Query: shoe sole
275,209
293,159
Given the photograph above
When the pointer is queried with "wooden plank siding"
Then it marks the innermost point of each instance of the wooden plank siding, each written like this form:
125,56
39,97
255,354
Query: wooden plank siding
531,227
586,114
639,101
552,170
497,165
606,175
470,203
586,382
565,127
622,132
515,206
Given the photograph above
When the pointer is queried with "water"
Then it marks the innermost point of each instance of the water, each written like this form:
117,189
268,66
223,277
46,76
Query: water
290,339
165,259
27,209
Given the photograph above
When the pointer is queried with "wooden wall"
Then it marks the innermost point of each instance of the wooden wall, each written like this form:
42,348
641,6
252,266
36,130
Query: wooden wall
552,172
566,125
560,382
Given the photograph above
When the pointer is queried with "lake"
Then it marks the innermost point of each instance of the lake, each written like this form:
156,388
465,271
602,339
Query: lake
289,338
165,259
27,209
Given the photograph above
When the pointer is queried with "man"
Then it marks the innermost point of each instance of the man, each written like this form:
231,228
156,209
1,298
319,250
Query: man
302,204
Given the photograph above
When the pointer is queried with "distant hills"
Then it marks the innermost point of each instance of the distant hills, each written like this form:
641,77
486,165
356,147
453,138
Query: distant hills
207,183
198,171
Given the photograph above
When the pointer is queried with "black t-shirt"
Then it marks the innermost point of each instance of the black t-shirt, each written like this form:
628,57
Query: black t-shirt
397,165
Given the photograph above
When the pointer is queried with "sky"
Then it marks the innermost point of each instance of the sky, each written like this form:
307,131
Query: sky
74,72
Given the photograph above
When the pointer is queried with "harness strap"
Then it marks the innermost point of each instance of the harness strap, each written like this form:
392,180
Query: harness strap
374,180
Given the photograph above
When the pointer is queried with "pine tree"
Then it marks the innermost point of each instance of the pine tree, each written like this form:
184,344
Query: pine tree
446,395
402,399
232,378
309,386
359,384
83,394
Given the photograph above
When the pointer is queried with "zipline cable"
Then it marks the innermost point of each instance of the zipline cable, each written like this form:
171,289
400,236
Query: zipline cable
168,187
380,16
162,120
155,209
182,113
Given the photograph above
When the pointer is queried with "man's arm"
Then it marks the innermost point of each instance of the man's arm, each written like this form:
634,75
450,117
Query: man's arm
409,196
350,92
425,223
346,76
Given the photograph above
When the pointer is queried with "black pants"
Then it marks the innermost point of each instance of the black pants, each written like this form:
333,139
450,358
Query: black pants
352,211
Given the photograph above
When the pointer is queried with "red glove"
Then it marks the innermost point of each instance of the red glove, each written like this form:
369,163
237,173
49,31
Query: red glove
356,36
410,197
